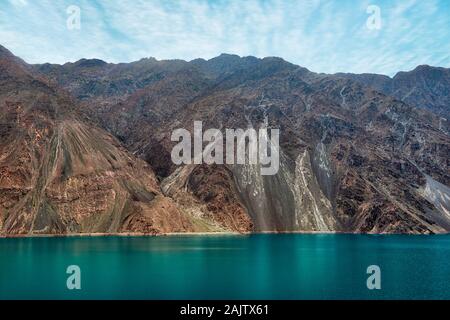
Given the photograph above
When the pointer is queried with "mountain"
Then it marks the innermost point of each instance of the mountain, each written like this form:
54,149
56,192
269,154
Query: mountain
60,174
352,158
425,87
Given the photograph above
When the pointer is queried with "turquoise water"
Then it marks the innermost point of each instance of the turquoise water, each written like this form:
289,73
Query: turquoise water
288,266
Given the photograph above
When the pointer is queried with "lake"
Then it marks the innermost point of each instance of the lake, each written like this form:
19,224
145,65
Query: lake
261,266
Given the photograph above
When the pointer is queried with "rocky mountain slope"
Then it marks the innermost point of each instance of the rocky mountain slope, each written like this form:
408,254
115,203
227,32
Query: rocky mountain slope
425,87
60,174
352,159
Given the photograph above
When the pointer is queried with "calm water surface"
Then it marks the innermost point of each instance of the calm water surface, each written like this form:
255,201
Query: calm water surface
288,266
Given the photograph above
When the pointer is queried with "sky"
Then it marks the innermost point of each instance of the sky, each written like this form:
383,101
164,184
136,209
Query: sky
373,36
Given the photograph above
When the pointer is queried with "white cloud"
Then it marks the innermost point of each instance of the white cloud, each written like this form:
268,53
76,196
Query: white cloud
19,3
325,36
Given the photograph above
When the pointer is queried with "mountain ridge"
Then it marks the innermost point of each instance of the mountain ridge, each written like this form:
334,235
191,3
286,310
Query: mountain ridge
353,159
424,87
61,175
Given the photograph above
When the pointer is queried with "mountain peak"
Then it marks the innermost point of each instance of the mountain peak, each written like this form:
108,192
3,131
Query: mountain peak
423,67
90,63
6,54
423,70
4,51
228,55
13,65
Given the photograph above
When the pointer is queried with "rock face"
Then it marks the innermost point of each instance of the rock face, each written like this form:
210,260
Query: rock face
425,87
61,175
209,193
352,158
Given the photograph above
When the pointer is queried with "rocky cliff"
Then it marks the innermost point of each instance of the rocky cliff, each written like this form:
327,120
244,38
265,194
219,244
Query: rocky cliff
60,174
425,87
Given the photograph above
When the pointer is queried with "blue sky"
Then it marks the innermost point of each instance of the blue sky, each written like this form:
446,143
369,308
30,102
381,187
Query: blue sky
324,36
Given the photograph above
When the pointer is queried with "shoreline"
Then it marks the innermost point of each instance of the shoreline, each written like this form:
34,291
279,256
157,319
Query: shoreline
199,234
171,234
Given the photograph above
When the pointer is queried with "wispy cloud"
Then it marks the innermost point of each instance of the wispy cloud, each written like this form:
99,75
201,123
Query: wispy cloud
19,3
324,36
